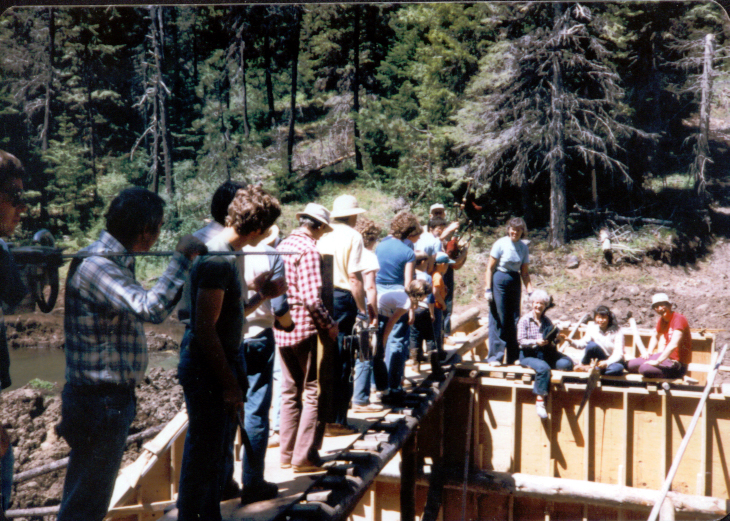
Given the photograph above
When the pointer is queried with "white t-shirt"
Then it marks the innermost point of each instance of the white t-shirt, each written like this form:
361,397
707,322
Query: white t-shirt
369,261
391,301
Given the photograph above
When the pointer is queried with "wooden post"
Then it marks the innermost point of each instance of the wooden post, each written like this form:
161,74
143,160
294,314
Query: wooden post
326,348
408,479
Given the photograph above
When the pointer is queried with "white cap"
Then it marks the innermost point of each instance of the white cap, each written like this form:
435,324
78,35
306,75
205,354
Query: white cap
660,298
345,206
318,213
437,206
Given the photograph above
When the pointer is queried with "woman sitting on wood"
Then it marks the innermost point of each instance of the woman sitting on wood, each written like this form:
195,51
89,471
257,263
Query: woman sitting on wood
536,335
602,341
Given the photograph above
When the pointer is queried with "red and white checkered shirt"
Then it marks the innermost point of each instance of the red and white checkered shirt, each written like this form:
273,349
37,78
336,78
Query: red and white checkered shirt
304,293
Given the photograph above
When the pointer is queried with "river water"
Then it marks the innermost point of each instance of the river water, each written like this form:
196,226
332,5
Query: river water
50,364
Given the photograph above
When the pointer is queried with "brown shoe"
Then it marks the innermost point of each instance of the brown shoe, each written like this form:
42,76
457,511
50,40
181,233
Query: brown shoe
336,429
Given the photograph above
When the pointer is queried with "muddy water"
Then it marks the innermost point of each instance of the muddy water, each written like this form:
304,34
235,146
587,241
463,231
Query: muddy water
50,364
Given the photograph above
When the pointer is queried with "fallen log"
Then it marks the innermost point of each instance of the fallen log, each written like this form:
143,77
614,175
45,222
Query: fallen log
571,490
474,339
457,322
20,477
606,214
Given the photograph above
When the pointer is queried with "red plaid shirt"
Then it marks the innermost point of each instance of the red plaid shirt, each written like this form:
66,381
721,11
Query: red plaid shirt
304,295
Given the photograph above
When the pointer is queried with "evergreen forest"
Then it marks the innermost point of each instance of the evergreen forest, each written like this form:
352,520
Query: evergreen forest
531,109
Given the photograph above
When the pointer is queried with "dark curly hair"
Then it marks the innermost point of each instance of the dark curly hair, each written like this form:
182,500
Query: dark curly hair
404,224
253,209
369,230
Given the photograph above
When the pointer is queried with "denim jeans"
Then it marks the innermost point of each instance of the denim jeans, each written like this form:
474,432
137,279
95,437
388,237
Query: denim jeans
259,354
396,353
541,362
95,422
276,400
345,314
422,331
504,312
371,372
6,477
207,454
593,350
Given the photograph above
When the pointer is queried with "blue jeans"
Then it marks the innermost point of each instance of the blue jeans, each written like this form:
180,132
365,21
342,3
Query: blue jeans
345,314
95,422
259,354
593,350
6,477
207,454
396,353
276,400
541,362
504,312
371,371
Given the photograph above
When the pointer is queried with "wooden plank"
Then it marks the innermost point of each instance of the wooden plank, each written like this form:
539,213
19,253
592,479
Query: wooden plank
719,449
647,434
681,412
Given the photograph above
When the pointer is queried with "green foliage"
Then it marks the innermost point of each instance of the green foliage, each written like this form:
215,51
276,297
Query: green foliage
44,385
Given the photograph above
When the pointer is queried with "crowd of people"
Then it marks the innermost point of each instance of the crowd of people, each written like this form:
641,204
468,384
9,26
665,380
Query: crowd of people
533,341
260,342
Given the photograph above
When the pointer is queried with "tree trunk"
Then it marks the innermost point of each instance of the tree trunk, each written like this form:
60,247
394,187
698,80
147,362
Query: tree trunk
155,152
49,80
294,53
267,74
162,101
356,87
558,206
244,94
703,147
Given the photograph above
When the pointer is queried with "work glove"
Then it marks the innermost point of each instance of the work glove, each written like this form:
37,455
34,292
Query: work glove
488,295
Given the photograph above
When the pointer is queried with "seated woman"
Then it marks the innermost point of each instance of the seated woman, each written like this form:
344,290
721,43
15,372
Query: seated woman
536,351
670,347
604,341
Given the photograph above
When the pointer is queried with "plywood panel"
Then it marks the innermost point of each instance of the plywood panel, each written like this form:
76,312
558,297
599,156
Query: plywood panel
681,412
455,421
647,438
608,432
388,501
533,442
496,428
719,448
568,447
492,507
528,509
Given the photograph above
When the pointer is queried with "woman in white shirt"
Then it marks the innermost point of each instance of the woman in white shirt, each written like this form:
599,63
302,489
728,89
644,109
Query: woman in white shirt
604,341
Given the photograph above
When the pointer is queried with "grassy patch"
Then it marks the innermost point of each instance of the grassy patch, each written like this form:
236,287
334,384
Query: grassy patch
43,385
677,180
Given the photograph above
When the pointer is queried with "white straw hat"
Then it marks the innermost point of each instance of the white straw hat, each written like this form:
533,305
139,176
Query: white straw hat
345,206
318,213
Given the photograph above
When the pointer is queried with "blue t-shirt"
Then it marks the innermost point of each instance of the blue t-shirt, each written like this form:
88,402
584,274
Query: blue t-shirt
428,244
393,255
510,255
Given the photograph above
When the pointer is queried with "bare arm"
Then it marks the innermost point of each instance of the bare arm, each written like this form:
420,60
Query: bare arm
653,343
525,274
371,291
410,273
489,273
449,231
671,346
357,287
208,309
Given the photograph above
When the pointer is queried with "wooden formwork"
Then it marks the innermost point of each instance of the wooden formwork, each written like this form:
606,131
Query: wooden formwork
622,445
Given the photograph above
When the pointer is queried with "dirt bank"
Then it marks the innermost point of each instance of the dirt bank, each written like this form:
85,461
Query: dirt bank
30,416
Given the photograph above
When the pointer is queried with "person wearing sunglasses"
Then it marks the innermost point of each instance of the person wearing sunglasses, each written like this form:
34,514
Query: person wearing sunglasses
12,291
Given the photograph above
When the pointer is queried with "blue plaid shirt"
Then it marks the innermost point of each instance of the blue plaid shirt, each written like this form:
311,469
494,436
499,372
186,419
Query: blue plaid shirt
105,310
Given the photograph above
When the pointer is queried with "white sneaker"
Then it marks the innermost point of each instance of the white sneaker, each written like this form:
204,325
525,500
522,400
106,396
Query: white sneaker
495,363
540,409
273,439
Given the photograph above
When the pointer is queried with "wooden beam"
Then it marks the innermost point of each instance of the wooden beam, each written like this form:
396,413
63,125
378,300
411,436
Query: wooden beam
408,479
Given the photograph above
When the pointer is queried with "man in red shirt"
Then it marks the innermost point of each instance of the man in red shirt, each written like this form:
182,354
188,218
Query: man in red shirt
670,347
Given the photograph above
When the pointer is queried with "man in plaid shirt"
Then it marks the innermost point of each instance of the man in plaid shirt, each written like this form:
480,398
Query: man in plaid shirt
106,349
298,348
